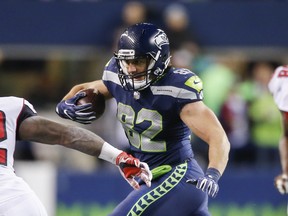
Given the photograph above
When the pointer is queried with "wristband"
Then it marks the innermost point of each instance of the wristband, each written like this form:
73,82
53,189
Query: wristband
109,153
213,173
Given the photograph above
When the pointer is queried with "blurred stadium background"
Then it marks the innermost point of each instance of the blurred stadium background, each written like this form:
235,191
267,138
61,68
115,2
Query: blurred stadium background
47,46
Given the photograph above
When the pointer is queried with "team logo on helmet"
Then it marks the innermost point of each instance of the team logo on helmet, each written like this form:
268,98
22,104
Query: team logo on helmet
125,34
160,39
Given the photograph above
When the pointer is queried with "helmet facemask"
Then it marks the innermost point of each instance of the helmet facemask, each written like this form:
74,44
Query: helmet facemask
136,81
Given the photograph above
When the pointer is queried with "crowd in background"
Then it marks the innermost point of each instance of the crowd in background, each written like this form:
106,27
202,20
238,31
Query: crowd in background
235,88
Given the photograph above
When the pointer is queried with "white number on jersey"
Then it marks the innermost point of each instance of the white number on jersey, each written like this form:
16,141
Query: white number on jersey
143,141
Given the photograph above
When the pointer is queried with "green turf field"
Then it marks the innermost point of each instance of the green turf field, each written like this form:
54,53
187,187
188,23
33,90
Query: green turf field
215,209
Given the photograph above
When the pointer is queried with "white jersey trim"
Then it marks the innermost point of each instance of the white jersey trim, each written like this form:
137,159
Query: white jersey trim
174,92
111,76
158,90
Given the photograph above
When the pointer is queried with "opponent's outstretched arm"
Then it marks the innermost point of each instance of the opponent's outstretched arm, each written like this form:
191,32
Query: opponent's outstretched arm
39,129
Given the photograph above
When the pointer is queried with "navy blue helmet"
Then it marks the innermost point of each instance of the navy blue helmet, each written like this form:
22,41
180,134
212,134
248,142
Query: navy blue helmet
142,40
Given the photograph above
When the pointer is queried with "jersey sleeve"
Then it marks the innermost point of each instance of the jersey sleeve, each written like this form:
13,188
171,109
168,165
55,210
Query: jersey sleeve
190,88
26,112
110,76
278,86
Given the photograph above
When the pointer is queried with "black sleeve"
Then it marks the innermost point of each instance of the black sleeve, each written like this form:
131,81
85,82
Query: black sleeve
24,114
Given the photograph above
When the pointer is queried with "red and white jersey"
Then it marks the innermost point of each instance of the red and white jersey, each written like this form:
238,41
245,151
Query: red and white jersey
13,110
278,86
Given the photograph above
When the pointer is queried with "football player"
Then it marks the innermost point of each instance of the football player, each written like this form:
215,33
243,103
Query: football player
278,86
19,121
158,106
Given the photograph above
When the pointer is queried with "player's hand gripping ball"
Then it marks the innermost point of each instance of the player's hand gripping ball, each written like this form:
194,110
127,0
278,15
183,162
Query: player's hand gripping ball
84,107
96,99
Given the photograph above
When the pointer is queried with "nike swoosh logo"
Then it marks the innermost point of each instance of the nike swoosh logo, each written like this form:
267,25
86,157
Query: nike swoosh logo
196,82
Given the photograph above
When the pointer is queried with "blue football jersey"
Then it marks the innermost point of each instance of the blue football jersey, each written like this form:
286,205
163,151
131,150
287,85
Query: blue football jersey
151,117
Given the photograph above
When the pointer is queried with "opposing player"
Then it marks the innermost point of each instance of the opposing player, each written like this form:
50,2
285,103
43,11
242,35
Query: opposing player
19,121
158,106
278,86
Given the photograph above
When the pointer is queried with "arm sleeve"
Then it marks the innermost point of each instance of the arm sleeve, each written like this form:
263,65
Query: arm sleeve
26,112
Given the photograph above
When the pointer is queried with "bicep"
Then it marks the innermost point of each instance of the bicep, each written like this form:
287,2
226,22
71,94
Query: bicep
201,120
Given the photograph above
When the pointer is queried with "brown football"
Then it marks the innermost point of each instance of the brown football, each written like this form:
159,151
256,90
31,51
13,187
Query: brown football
96,98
